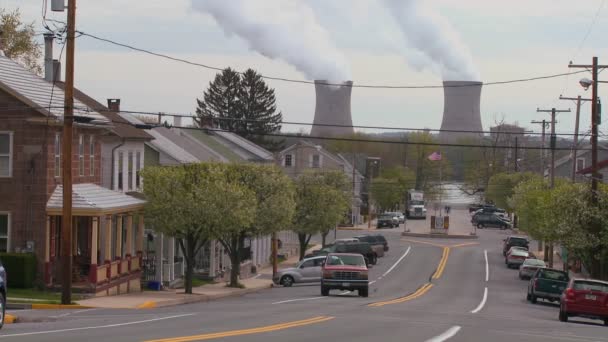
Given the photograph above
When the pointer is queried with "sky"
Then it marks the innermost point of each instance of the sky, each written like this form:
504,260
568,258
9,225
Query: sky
501,40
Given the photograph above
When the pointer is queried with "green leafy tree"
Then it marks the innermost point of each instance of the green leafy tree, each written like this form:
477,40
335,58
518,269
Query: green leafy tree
501,187
19,40
243,104
322,200
388,191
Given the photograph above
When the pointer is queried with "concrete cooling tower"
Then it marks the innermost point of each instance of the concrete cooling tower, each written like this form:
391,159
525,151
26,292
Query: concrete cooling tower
332,108
461,110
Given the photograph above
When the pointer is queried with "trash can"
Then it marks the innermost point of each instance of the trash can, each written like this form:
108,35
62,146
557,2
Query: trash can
154,285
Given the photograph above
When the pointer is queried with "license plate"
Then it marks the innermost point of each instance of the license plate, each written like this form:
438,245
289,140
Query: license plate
590,297
345,284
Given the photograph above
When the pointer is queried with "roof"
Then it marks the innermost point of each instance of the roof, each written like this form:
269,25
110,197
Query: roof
587,170
313,145
37,93
229,145
91,200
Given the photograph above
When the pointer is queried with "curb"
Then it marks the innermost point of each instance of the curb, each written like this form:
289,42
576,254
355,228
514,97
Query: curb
10,319
204,298
58,306
440,236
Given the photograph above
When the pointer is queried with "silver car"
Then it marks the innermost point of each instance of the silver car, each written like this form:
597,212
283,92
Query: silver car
306,271
527,269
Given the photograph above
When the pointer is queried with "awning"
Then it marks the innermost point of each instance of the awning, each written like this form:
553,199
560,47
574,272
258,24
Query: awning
93,200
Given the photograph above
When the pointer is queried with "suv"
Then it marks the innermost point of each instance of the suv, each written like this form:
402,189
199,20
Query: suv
345,271
387,220
362,248
382,239
2,294
511,241
485,219
377,244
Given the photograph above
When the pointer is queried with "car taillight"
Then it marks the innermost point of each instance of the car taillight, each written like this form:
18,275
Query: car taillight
327,274
536,284
570,295
363,275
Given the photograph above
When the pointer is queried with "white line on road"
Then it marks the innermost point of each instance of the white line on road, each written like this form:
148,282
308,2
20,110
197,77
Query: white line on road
71,313
446,335
485,253
257,276
373,281
483,301
96,327
398,261
297,300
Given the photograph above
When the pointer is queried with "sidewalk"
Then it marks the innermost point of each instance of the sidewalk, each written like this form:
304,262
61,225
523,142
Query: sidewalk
363,226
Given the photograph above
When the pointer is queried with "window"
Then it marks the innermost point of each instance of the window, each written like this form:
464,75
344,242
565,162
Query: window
5,221
288,160
91,156
120,156
137,169
316,161
6,154
307,263
580,164
81,155
57,154
130,171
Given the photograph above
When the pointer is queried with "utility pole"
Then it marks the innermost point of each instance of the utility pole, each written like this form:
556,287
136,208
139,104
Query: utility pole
578,100
275,261
68,120
515,154
544,124
553,141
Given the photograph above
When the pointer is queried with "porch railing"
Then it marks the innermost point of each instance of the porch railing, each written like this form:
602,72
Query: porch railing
102,273
124,266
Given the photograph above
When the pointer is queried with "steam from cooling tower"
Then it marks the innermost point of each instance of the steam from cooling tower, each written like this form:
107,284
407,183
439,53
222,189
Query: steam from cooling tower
281,29
432,36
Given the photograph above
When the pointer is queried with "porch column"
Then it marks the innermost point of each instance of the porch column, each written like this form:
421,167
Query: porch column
47,251
139,239
212,268
129,242
94,243
108,240
75,236
171,258
159,256
118,254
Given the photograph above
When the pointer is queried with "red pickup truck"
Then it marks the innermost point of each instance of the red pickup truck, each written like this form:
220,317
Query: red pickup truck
586,298
345,271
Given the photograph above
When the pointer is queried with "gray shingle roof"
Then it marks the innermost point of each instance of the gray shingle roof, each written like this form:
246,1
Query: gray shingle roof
92,198
36,92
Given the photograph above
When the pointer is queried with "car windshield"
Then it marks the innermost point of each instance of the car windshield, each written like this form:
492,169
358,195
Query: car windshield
518,241
386,216
342,260
417,202
553,275
534,262
590,286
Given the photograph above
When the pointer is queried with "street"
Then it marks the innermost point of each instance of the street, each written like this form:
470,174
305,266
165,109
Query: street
418,292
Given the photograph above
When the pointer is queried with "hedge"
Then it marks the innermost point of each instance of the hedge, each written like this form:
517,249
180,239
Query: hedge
20,269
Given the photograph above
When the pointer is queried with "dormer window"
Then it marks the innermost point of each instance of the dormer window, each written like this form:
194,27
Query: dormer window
288,161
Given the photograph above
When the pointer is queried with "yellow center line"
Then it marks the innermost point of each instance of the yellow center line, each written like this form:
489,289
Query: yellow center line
421,291
442,263
258,330
465,244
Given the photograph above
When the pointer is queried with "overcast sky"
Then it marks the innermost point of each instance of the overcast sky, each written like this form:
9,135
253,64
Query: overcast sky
505,40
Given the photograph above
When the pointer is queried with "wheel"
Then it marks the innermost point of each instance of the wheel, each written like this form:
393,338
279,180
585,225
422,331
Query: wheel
533,298
324,291
480,226
563,317
528,297
374,259
2,309
287,281
503,227
606,322
520,277
364,292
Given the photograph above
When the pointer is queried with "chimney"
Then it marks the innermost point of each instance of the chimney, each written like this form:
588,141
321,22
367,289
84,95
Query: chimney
114,105
56,71
48,57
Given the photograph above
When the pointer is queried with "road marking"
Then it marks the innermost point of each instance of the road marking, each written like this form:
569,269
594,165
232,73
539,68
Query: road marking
397,263
465,244
421,291
96,327
446,335
423,242
485,253
250,331
297,300
483,302
442,263
257,276
371,282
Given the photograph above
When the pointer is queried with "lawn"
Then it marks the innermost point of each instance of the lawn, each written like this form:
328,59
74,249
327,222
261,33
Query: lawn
46,297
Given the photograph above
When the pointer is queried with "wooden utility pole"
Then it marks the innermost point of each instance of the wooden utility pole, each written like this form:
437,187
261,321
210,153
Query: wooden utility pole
544,125
553,142
515,167
68,120
578,100
275,260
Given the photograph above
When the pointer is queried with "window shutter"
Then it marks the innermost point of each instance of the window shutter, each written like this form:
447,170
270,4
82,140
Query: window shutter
310,157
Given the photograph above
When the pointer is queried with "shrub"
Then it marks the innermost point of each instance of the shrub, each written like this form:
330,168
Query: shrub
20,269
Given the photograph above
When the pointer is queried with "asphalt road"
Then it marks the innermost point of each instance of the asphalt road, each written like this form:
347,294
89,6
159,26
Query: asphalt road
420,291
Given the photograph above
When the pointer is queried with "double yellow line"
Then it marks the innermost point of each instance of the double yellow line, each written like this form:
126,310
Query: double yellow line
442,263
421,291
259,330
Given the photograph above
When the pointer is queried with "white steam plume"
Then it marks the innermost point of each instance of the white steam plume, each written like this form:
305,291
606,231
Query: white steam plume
430,34
281,29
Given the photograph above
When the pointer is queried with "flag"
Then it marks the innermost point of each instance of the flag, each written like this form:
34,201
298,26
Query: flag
435,156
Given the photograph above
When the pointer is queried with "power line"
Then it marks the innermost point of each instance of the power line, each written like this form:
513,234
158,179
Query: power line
291,80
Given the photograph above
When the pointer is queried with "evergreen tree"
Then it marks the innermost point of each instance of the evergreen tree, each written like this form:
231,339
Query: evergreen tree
221,101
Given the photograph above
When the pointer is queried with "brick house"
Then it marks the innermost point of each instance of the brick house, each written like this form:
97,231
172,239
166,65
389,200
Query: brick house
31,117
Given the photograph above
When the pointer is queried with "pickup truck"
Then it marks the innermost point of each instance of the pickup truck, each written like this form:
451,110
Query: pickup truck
547,283
345,271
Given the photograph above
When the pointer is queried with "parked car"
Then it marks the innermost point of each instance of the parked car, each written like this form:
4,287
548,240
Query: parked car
306,271
516,256
513,240
586,298
345,271
3,287
475,207
547,283
484,219
387,220
400,216
529,267
362,248
345,240
377,245
382,239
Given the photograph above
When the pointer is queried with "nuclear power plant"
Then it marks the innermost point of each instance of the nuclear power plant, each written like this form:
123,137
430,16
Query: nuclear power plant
332,108
461,110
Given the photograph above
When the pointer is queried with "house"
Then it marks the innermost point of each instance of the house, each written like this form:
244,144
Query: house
305,155
602,168
106,257
563,166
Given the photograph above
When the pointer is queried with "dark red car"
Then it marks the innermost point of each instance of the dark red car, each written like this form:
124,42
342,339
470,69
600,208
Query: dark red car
586,298
345,271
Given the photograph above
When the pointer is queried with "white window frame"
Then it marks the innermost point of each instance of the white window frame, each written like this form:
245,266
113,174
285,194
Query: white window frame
130,170
120,177
138,164
8,230
57,153
291,160
10,154
81,154
92,155
312,161
576,161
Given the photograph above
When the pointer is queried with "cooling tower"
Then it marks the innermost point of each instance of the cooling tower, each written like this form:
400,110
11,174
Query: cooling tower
332,108
461,110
